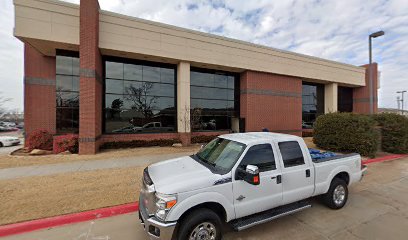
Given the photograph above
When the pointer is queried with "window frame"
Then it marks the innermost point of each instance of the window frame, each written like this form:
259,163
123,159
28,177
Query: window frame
142,63
282,156
275,167
72,54
228,114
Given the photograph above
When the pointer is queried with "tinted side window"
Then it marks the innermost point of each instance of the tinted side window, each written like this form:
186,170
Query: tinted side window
291,154
261,156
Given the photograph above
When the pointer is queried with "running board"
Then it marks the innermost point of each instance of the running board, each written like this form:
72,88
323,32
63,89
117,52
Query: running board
269,215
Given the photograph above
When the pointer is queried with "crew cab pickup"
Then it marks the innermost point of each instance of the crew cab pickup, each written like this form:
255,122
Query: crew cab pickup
241,179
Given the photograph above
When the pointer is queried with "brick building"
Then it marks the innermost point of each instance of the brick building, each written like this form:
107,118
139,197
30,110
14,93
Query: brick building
110,77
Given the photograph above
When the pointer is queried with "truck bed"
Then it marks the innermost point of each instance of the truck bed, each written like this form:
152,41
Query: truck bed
333,158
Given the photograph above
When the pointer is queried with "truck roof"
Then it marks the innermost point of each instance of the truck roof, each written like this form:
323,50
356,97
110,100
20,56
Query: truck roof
256,137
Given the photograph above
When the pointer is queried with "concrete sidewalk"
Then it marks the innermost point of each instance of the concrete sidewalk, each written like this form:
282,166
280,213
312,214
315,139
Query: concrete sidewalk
50,169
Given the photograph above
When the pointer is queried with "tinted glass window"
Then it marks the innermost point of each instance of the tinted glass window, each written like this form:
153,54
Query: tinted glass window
291,154
261,156
67,93
345,99
139,97
212,100
312,103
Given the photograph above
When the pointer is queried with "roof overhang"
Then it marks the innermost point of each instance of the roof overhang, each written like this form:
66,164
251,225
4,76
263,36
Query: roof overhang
48,25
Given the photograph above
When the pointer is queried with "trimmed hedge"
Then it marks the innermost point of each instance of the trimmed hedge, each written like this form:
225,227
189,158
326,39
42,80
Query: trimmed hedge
39,139
139,143
346,132
394,131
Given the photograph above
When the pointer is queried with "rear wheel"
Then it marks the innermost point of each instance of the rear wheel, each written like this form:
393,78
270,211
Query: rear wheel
337,195
1,144
201,224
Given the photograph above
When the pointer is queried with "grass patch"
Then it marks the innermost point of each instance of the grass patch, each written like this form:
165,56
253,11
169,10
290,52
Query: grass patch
31,198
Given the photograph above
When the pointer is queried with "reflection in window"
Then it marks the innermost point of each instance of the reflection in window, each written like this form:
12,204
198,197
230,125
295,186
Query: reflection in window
212,100
67,92
139,97
312,103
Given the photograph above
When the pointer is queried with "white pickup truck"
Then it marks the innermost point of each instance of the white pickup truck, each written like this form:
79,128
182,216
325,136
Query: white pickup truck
241,179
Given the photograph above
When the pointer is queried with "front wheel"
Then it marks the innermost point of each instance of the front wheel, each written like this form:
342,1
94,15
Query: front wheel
337,195
201,224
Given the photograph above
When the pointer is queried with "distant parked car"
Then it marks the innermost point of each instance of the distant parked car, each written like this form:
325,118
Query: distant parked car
7,124
20,125
7,129
6,141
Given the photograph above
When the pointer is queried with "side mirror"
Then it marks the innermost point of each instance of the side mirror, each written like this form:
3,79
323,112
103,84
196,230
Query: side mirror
250,175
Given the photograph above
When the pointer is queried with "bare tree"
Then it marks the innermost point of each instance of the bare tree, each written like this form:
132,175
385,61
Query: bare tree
141,100
3,101
196,122
185,120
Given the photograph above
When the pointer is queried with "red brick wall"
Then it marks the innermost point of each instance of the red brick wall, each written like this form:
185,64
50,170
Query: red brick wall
361,95
271,101
39,91
90,98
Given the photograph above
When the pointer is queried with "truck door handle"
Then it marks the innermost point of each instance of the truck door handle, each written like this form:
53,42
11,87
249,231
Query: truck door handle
307,173
278,179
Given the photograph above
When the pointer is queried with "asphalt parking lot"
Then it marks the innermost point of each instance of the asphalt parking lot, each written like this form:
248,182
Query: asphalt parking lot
377,209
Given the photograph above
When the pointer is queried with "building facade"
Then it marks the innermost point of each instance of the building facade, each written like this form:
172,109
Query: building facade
110,77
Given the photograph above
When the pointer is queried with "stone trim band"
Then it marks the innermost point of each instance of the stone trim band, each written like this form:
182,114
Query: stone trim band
90,73
89,139
39,81
363,100
271,93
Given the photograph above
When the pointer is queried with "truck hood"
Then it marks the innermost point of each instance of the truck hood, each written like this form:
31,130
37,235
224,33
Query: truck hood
180,175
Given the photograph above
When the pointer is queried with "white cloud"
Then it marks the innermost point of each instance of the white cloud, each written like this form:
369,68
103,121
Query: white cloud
331,29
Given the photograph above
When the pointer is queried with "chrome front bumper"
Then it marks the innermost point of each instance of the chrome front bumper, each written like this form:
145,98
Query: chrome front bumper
154,228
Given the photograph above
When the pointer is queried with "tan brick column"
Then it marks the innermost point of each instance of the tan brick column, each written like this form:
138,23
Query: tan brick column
183,102
90,93
330,97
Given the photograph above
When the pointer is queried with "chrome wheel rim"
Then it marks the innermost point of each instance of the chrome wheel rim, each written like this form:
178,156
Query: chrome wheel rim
339,195
204,231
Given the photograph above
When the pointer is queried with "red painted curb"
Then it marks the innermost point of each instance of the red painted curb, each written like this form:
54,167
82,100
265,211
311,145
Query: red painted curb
385,158
29,226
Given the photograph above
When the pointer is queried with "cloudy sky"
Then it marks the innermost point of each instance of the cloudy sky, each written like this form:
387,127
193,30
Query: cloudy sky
331,29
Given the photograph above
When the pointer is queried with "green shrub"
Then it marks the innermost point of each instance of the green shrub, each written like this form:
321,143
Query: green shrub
139,143
346,132
394,131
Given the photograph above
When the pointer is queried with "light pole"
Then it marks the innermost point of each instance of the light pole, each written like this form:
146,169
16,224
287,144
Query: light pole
370,69
398,103
402,100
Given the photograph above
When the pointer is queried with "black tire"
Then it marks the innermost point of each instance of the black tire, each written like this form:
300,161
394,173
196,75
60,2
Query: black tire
329,197
1,144
197,217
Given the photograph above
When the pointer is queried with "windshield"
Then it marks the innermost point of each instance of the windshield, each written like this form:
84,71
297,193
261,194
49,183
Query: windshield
221,153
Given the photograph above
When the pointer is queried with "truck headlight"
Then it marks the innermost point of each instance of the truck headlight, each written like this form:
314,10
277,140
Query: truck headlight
164,203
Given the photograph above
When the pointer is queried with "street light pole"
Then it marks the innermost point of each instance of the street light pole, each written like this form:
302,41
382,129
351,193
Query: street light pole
370,69
402,100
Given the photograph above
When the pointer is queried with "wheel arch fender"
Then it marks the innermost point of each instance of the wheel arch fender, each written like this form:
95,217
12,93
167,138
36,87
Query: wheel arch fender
200,199
335,172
